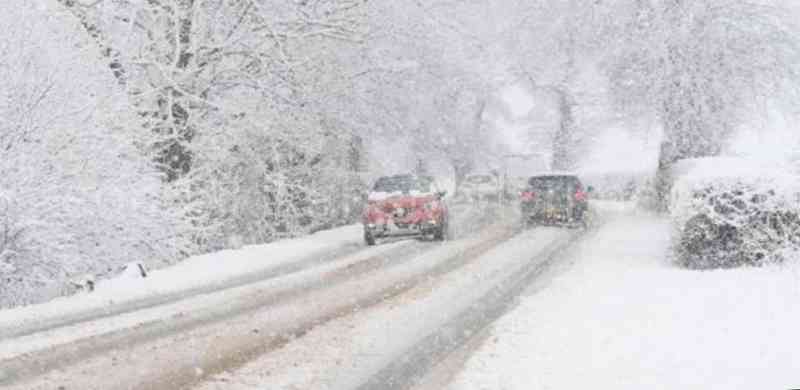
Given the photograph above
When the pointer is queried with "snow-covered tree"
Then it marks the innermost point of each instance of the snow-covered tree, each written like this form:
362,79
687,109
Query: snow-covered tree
700,67
76,194
427,85
242,105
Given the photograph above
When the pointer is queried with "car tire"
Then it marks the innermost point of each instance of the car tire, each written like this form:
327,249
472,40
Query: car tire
440,234
580,218
369,239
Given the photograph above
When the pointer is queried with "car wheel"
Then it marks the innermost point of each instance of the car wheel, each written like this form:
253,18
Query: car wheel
369,238
529,223
579,216
441,233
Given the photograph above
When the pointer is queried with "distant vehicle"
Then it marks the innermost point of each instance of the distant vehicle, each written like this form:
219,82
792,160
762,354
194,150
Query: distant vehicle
729,212
480,186
554,198
405,205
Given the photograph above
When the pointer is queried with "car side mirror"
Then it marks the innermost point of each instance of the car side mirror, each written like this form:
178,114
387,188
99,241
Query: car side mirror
441,194
590,189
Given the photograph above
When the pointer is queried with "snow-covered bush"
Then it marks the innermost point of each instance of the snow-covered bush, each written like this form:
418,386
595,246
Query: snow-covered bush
730,211
76,195
253,184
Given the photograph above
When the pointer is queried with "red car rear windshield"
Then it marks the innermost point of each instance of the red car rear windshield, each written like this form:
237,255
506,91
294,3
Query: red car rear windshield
402,183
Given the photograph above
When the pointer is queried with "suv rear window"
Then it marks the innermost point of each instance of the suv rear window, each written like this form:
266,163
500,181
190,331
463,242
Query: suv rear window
558,183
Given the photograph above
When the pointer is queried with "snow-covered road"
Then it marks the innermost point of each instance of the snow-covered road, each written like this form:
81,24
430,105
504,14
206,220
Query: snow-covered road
391,345
597,307
210,332
621,316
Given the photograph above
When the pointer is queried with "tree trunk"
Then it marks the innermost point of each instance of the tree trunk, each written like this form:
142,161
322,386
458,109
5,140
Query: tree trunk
106,50
461,170
175,157
564,142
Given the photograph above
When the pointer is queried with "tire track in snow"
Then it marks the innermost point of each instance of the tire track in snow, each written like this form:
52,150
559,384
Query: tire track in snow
186,358
452,340
344,268
277,271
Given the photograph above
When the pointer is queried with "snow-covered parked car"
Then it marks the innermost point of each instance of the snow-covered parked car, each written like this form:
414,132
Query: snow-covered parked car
405,205
732,211
481,186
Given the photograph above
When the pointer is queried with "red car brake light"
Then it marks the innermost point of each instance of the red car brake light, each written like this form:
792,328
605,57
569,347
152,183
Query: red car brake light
527,196
580,195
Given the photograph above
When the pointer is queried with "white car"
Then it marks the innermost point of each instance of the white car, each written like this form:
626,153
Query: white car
477,187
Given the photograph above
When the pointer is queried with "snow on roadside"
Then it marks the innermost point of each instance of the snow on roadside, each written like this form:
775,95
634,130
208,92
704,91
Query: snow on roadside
623,317
212,305
194,272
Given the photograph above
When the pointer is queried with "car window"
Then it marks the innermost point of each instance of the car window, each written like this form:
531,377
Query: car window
557,183
403,184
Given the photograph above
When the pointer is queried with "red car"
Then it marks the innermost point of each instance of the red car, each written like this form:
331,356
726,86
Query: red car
405,205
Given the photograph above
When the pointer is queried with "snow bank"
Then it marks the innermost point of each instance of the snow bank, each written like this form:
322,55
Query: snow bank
623,318
194,272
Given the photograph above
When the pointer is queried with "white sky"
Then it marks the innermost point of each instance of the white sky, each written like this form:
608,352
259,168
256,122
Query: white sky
520,101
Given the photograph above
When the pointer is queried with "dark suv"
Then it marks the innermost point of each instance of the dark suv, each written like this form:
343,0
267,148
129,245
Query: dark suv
554,198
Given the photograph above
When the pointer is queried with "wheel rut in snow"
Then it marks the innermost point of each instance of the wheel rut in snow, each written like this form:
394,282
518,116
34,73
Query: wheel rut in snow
59,356
175,362
423,357
43,325
239,353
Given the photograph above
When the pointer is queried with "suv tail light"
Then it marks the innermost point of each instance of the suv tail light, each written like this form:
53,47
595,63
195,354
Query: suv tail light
527,196
580,195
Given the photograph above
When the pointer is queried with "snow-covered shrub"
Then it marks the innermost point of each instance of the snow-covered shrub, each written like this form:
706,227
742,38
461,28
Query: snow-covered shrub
730,211
253,184
76,195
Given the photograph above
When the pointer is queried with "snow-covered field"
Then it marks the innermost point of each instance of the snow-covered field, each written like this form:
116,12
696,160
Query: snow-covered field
622,317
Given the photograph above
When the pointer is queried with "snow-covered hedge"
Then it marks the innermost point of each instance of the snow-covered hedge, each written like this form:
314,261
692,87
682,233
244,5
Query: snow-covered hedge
729,211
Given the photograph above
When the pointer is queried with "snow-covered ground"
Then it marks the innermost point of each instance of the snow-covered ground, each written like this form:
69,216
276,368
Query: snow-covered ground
196,272
622,317
344,353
